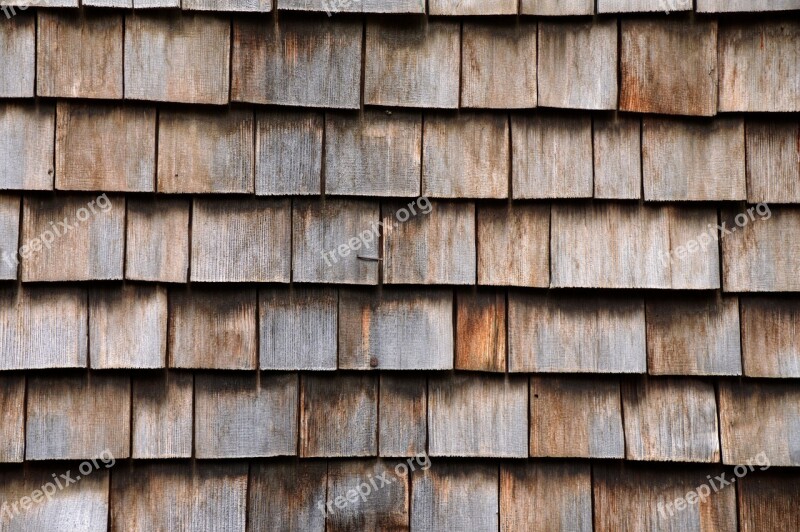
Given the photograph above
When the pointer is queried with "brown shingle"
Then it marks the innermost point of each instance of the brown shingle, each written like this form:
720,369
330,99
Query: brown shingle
480,331
768,501
557,7
403,416
773,161
383,509
157,240
617,157
163,415
28,147
287,495
12,418
771,337
18,42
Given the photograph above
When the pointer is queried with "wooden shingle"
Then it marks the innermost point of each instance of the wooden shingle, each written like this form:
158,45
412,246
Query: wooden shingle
465,156
241,240
551,156
73,238
556,7
18,42
644,6
399,330
9,236
12,418
572,334
331,406
771,337
617,158
213,329
258,6
473,7
74,418
759,66
157,240
108,3
481,331
670,420
103,147
652,81
373,154
413,63
329,237
177,58
732,6
28,147
577,64
163,415
286,496
354,6
773,161
403,417
767,501
309,62
576,417
499,65
288,153
385,508
241,416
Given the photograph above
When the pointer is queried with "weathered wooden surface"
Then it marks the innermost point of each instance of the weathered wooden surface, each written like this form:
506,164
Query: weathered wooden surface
730,6
103,147
128,327
241,240
770,337
465,156
10,207
28,147
288,153
309,62
570,334
643,6
259,6
543,497
767,501
617,157
652,81
478,415
473,7
499,65
285,496
481,331
576,417
12,418
556,7
433,248
773,161
403,417
412,63
334,405
157,240
373,154
759,66
670,420
693,161
213,329
396,330
108,3
577,64
385,508
693,335
514,245
241,416
551,156
18,42
354,6
74,418
760,417
180,57
139,4
79,54
163,415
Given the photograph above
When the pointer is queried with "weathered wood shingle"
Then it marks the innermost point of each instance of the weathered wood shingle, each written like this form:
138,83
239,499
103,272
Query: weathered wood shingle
286,496
288,153
481,331
18,42
731,6
258,6
617,157
643,6
354,6
773,161
28,147
473,7
556,7
771,337
403,416
382,509
767,500
163,415
157,240
10,206
12,418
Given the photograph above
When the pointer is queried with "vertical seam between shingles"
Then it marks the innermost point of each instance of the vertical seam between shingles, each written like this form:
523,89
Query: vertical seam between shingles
248,490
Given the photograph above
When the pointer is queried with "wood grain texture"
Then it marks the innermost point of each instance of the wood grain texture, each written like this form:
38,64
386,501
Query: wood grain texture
28,147
671,420
481,331
375,154
551,156
157,240
163,415
309,62
730,6
616,245
241,240
617,158
514,245
108,3
285,496
478,415
574,334
394,329
103,147
652,81
556,7
331,406
144,4
354,6
455,496
473,7
12,418
576,417
766,501
330,235
577,64
761,256
412,63
88,238
693,335
174,496
760,417
43,328
771,337
403,420
74,418
557,496
79,55
177,58
18,42
465,156
433,248
759,65
242,416
773,161
10,206
499,66
643,6
258,6
128,327
298,328
213,329
289,153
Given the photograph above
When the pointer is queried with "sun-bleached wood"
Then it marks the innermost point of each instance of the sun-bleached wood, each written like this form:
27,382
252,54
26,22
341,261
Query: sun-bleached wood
644,6
617,157
766,500
10,206
157,240
354,6
473,7
12,418
384,509
259,6
403,419
556,7
731,6
28,147
773,161
162,415
289,153
18,42
480,331
285,496
771,337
